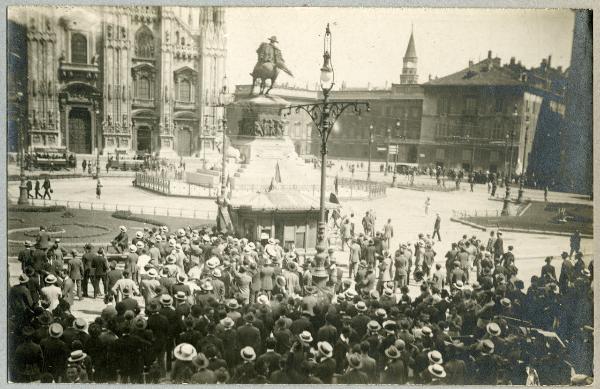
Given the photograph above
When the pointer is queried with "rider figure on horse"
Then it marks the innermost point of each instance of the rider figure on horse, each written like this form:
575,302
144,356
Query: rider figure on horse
267,67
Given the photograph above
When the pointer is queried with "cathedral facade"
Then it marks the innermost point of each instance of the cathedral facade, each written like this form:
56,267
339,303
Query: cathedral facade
140,79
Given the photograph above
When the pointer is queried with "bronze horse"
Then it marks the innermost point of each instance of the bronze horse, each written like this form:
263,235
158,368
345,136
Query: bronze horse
267,71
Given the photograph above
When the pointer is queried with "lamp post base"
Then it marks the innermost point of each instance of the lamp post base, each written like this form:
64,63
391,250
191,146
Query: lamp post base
23,200
520,196
506,202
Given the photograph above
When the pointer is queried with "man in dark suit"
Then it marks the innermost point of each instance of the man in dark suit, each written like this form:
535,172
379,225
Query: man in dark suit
436,227
29,188
75,269
47,188
26,255
548,272
269,361
37,189
326,365
248,335
566,274
99,267
359,322
328,332
88,273
112,277
20,300
499,246
43,239
55,352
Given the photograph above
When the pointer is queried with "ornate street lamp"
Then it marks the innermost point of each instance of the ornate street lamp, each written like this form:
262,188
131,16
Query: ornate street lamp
324,114
370,143
223,100
23,185
522,179
511,135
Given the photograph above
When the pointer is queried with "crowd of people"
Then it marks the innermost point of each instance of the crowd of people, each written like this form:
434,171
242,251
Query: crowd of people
220,309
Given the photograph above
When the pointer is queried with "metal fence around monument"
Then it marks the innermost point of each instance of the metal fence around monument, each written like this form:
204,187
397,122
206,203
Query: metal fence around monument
204,214
153,182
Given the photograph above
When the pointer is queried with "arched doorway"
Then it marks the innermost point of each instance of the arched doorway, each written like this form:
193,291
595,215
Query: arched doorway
184,142
80,131
144,139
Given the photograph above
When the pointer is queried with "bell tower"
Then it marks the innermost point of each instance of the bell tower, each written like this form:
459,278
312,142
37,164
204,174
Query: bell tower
409,68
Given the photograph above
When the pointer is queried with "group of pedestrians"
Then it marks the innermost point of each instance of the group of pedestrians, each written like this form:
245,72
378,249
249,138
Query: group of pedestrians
196,306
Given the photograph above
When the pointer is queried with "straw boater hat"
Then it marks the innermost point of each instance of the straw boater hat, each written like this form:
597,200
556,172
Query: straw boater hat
280,281
493,329
216,273
50,279
426,331
185,352
373,326
487,347
133,248
227,322
152,273
305,337
435,357
263,299
233,304
23,279
248,354
77,356
180,295
437,370
361,306
139,234
207,286
55,330
79,323
388,292
325,348
213,262
123,228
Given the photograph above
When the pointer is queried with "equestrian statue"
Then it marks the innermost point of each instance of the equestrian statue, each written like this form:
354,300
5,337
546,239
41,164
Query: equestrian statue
270,61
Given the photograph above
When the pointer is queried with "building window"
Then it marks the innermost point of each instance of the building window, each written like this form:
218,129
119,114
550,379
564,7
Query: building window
466,155
494,156
143,88
499,105
144,43
78,48
442,107
185,91
471,106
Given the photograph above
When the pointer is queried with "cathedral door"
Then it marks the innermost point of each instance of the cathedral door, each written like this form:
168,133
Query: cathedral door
144,139
184,142
80,131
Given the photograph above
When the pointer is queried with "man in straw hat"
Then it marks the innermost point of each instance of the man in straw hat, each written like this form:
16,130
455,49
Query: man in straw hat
121,241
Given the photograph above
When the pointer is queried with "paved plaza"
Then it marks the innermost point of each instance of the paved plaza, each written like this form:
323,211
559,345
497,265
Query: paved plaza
405,207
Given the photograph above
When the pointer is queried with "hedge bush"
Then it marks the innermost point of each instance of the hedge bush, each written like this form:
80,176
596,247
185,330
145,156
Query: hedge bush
127,215
36,208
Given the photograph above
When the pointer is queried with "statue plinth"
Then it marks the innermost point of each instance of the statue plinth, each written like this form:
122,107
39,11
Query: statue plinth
261,130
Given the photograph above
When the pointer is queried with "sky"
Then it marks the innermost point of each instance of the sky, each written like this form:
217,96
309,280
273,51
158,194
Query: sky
368,43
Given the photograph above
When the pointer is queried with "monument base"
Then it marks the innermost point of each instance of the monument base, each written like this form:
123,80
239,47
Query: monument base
273,148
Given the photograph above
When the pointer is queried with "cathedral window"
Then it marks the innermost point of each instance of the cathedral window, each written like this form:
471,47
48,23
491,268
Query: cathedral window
78,48
144,43
143,88
185,91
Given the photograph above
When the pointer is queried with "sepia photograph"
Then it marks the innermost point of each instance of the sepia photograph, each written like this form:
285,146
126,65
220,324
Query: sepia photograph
299,195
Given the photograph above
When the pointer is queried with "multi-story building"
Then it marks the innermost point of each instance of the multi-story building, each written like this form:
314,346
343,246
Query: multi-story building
576,141
480,117
119,79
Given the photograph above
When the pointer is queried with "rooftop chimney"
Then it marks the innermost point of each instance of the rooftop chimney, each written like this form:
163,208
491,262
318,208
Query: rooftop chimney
559,69
512,61
430,78
470,64
489,54
549,61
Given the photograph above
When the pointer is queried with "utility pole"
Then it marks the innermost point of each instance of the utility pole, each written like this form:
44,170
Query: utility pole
370,144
